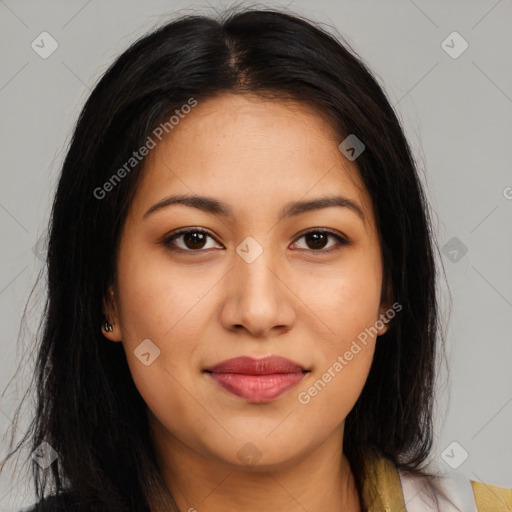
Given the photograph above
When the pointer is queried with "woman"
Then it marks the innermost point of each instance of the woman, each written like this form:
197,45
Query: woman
242,311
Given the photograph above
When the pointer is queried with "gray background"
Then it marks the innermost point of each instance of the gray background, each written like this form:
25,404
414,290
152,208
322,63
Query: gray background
456,113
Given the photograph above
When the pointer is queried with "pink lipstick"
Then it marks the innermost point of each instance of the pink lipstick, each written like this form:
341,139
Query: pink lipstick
257,380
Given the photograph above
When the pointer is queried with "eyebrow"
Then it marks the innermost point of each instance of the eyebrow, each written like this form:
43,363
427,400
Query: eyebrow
216,207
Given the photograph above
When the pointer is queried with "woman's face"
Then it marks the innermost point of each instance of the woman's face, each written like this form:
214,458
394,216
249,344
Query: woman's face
254,285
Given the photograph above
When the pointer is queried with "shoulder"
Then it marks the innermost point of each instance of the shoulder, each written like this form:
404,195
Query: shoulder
54,503
452,493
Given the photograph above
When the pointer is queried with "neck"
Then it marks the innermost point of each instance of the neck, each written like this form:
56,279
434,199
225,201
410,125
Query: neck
320,480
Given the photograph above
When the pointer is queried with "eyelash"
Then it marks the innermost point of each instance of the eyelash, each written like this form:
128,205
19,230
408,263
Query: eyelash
167,241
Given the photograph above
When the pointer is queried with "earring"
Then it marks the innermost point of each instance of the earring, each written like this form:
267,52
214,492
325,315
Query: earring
107,326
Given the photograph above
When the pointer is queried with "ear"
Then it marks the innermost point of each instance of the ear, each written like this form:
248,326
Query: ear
110,312
386,301
383,320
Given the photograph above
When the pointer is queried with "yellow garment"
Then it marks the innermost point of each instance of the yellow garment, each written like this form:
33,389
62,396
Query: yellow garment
490,498
382,491
385,493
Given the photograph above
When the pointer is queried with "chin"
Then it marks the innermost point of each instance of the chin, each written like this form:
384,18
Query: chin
256,456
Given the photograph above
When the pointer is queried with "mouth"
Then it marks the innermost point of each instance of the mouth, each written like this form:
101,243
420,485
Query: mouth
257,380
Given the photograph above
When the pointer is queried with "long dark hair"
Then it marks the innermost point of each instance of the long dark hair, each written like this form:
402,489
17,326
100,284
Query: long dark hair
88,408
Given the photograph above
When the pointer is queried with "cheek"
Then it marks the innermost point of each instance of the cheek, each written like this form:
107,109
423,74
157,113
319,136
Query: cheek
173,408
169,308
160,300
172,325
347,306
344,301
329,396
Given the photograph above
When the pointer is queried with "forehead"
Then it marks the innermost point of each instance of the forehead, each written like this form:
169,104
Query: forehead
252,153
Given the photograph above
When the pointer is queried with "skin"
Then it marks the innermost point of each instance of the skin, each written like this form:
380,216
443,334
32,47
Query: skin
295,300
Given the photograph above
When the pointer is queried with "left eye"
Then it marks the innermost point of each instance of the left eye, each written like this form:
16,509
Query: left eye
195,240
317,240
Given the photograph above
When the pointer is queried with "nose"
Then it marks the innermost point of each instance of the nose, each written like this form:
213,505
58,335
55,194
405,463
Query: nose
257,297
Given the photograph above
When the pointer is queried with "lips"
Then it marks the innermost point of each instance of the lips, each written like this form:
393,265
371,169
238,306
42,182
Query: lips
257,380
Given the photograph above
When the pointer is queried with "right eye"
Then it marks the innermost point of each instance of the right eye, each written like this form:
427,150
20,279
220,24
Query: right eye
193,240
